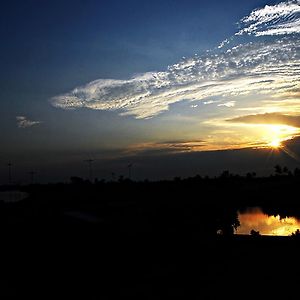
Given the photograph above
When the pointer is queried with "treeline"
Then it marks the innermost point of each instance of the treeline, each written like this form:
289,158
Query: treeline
191,206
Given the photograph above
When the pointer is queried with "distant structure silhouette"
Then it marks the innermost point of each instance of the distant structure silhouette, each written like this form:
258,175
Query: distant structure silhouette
113,176
90,162
9,173
31,174
129,171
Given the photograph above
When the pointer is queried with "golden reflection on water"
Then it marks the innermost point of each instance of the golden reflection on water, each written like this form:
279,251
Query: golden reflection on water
255,219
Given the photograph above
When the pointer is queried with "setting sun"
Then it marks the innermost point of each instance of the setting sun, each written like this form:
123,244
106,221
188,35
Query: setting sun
276,135
275,144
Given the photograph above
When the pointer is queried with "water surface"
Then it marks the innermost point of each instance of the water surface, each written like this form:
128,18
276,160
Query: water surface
255,219
13,196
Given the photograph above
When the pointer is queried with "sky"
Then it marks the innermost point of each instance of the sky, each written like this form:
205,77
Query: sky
175,87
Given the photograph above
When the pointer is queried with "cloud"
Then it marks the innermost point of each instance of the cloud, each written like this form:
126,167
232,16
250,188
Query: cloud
222,44
227,104
166,147
23,122
269,67
268,118
280,19
208,102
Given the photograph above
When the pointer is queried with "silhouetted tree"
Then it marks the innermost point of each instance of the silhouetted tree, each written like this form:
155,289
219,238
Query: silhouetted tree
227,221
76,180
254,233
297,172
285,170
225,174
278,170
250,175
296,234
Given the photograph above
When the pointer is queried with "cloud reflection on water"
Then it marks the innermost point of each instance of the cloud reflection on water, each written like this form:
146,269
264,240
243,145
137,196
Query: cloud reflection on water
255,219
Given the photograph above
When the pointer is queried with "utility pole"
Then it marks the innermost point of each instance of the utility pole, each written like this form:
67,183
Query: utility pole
90,161
129,171
113,178
9,173
32,173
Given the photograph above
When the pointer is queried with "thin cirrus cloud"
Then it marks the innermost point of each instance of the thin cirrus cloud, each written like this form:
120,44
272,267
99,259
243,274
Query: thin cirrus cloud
24,122
227,104
268,67
279,19
164,148
268,118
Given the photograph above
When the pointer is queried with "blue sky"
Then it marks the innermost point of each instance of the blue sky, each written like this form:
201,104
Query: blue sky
50,49
79,41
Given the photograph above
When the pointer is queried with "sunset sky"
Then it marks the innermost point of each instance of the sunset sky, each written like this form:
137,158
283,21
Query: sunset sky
163,85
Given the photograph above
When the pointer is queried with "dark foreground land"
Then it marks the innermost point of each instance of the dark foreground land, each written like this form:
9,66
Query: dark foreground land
129,240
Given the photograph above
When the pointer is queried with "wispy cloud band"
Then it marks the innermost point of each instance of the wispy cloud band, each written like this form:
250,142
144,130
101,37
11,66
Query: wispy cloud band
280,19
259,67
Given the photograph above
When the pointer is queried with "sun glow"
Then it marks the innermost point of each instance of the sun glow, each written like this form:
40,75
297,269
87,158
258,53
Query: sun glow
275,135
249,135
275,144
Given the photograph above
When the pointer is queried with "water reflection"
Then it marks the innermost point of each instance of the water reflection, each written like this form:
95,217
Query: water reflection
13,196
255,219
